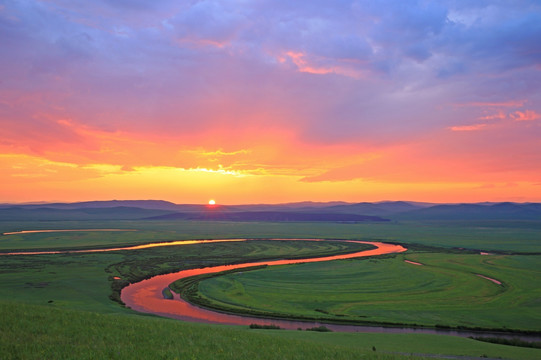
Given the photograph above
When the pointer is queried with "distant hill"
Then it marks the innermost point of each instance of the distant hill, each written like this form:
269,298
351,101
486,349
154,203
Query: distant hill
379,209
374,209
163,210
497,211
297,206
274,216
50,214
303,211
142,204
166,205
364,208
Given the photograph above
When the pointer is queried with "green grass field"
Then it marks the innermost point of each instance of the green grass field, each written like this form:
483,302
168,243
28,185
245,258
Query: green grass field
47,332
511,236
61,306
84,281
445,291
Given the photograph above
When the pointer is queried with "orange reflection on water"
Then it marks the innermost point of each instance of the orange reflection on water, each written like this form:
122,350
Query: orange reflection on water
135,247
146,296
413,262
71,230
490,279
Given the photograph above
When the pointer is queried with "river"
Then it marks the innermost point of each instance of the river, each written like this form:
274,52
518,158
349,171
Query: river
146,296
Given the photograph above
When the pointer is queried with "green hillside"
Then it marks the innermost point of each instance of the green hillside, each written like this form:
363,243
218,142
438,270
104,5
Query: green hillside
44,332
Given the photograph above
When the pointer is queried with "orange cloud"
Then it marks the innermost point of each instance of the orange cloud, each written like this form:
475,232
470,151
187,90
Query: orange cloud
69,182
467,127
342,173
201,43
251,151
266,164
304,64
500,115
526,115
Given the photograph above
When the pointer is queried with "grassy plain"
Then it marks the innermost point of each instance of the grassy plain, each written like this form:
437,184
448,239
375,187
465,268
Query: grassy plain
444,291
510,236
85,281
59,306
46,332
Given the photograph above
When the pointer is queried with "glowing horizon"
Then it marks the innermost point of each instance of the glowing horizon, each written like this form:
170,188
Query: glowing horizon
270,103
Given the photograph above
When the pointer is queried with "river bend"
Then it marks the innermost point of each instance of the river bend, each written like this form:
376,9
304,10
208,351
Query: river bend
146,296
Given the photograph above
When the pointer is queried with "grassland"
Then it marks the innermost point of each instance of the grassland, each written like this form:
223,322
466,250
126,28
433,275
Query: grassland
87,281
506,236
445,291
63,303
46,332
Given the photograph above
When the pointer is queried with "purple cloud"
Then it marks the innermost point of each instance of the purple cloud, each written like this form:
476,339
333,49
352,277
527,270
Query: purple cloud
364,71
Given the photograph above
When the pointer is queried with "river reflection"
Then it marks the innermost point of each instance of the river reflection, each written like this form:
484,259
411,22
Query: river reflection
135,247
146,296
63,230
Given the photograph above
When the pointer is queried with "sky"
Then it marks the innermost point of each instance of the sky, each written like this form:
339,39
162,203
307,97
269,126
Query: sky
270,101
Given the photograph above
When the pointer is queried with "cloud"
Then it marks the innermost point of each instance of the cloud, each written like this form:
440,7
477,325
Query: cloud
486,186
495,37
345,173
322,66
223,75
500,115
209,21
468,127
511,103
497,185
526,115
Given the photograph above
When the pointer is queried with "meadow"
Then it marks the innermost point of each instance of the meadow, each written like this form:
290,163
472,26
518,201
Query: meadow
444,291
45,332
68,303
87,281
512,236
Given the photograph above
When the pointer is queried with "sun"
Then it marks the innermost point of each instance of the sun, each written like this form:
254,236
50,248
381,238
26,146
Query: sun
212,202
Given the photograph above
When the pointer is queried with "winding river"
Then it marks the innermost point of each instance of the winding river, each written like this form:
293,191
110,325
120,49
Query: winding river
146,296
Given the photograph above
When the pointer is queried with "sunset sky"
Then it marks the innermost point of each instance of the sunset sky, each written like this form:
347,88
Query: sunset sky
270,101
